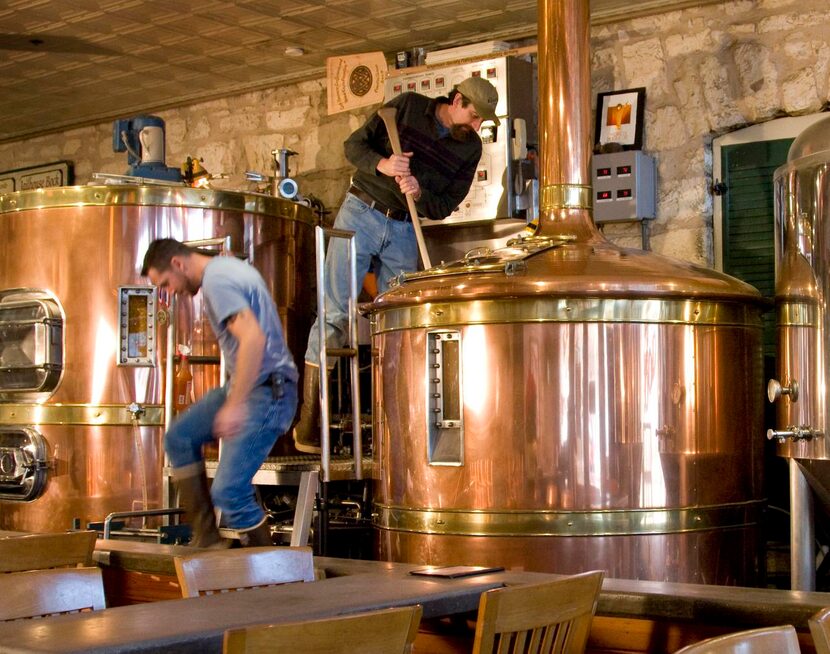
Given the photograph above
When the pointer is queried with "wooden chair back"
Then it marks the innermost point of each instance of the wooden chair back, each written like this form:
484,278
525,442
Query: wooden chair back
767,640
390,631
820,630
39,551
219,571
554,616
41,593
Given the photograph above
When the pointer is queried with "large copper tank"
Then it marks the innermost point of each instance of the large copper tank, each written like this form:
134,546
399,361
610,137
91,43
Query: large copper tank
802,286
74,450
565,404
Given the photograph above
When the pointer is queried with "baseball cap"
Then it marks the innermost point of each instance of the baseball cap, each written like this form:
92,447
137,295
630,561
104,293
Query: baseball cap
483,95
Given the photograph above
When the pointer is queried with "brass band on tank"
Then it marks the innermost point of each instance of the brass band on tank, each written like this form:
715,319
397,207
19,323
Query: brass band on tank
627,522
566,196
798,314
572,309
153,196
145,415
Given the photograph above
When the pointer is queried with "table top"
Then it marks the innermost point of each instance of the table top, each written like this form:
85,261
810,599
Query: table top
197,624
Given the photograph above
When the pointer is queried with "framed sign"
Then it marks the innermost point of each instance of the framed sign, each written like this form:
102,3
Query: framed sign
620,118
57,173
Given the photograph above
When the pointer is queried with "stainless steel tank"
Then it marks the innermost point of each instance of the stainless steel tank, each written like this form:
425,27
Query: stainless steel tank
565,404
81,352
802,236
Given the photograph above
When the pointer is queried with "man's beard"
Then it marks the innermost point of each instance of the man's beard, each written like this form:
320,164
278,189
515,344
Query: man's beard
461,132
191,288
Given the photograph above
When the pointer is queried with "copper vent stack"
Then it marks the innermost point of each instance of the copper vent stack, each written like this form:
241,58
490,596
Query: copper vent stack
563,404
564,121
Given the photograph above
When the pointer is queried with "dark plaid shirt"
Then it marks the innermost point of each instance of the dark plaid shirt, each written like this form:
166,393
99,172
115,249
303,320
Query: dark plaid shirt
443,166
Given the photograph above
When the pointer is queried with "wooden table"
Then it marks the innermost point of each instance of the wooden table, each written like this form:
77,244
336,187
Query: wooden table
197,624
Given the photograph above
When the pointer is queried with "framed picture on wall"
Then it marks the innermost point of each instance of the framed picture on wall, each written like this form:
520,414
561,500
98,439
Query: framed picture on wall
620,118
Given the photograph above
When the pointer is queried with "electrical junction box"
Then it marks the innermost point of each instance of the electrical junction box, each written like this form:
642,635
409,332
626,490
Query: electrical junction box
623,186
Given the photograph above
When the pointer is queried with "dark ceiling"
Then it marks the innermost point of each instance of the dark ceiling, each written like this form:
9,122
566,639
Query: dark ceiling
67,63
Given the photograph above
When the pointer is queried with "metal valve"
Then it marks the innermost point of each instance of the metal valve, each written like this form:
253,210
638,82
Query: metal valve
136,410
802,433
775,390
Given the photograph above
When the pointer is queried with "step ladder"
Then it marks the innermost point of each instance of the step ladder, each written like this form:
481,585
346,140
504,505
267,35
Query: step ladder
349,352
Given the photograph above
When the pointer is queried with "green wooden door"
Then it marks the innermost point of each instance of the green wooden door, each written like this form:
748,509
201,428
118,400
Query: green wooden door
748,238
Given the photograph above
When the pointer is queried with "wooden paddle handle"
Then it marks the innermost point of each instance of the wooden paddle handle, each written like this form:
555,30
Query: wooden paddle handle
387,115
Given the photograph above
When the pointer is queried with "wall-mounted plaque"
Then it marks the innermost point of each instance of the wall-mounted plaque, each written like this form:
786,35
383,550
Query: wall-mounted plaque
57,173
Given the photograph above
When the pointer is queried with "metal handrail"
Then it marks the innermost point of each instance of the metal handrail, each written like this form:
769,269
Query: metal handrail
136,514
320,234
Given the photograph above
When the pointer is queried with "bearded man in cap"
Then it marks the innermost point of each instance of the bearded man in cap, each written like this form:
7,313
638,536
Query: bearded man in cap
440,152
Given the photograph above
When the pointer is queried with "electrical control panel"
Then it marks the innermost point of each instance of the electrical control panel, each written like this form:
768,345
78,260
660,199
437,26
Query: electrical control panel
624,187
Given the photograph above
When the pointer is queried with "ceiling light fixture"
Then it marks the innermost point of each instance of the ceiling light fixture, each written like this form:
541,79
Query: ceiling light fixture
294,52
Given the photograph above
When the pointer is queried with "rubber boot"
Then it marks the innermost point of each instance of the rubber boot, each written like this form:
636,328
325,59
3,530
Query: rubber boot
307,430
258,536
198,507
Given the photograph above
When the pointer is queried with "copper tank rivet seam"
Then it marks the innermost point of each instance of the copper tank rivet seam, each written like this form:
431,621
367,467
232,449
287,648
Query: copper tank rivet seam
80,414
611,522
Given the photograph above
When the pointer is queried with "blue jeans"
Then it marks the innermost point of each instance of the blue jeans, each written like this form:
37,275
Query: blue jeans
391,243
241,456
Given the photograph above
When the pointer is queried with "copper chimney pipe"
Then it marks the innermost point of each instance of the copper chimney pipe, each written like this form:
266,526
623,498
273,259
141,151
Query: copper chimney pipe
564,121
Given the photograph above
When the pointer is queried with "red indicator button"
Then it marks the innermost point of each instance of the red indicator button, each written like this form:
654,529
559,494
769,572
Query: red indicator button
603,172
603,196
624,193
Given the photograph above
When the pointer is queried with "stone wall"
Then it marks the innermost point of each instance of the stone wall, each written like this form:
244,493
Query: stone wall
707,71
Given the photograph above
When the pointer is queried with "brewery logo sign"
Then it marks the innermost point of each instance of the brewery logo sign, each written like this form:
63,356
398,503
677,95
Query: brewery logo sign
57,173
619,119
355,81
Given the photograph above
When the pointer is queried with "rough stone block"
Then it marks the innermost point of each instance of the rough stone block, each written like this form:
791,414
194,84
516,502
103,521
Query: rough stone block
645,65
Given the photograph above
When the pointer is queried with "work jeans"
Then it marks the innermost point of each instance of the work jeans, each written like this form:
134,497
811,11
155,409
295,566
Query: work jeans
390,243
241,456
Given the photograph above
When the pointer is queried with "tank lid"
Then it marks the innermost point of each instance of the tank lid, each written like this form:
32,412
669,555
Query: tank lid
536,267
816,138
509,259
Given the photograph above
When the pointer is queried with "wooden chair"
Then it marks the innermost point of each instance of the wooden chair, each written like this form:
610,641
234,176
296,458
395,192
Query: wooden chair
220,571
390,631
768,640
554,616
39,551
820,630
41,593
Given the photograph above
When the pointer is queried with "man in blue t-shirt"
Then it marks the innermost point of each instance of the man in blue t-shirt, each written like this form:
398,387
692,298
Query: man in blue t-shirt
249,412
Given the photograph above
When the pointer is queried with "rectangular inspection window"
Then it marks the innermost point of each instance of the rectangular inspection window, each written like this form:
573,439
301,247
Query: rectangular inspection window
137,325
445,415
31,344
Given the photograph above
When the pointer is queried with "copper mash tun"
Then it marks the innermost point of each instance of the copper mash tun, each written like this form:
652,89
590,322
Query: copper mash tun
802,285
564,404
83,337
